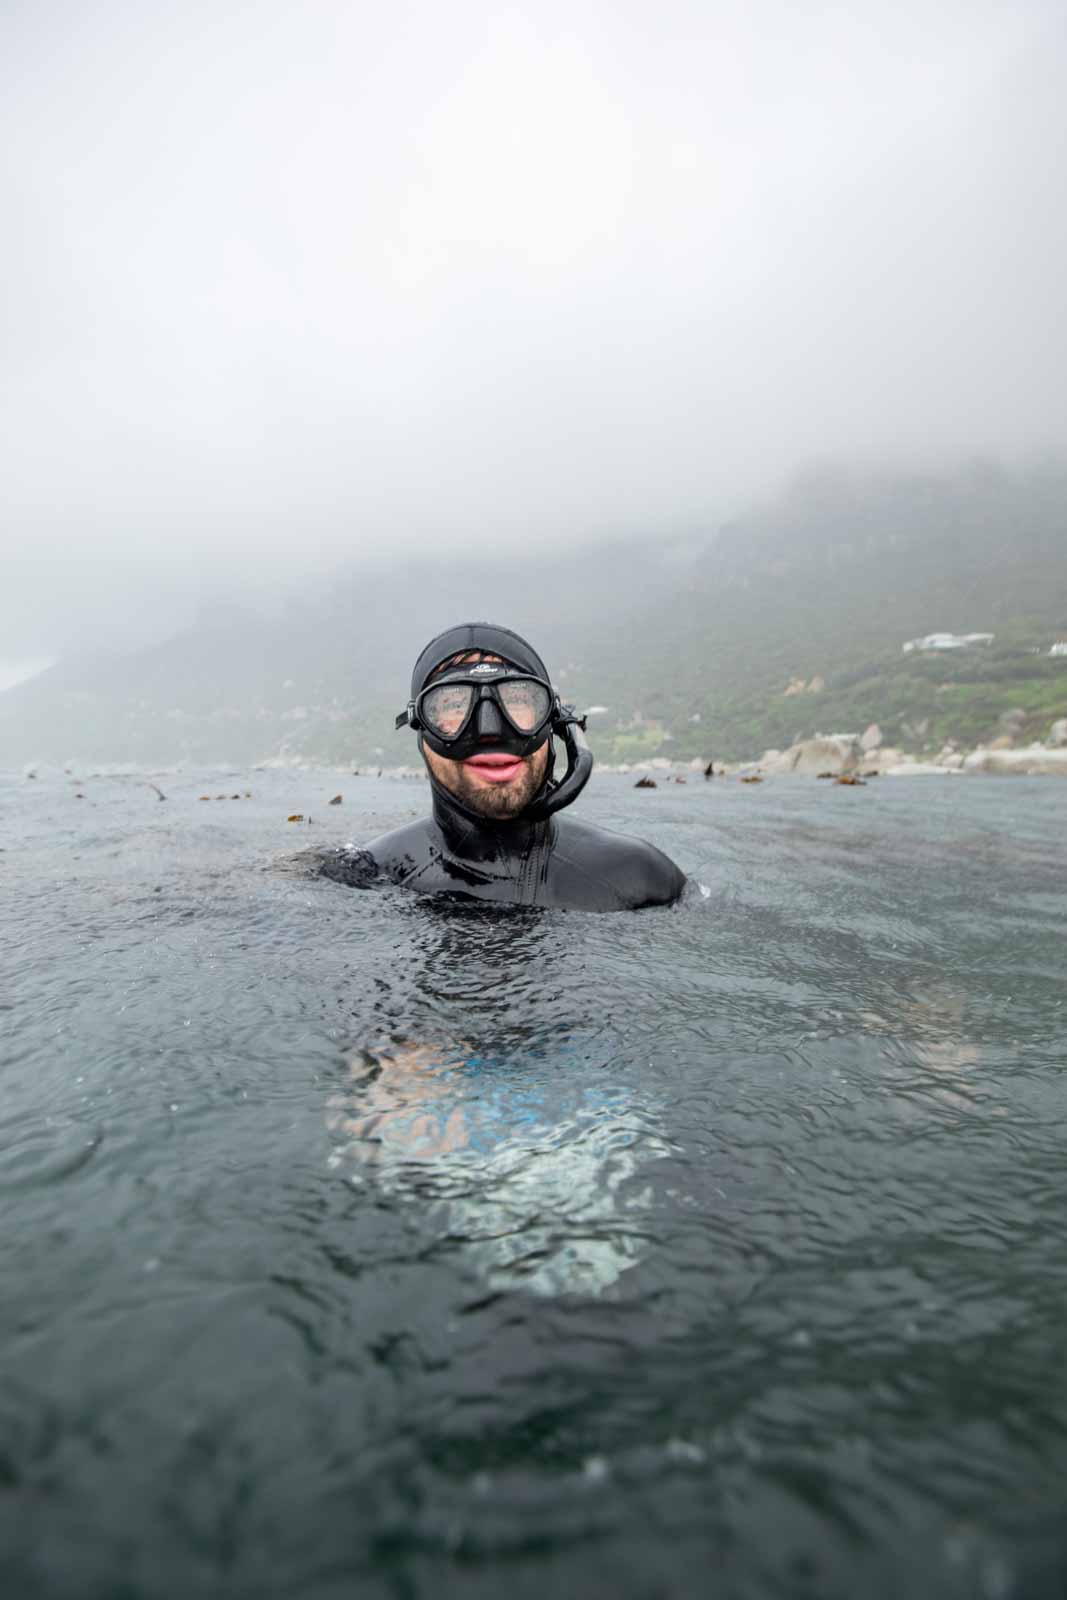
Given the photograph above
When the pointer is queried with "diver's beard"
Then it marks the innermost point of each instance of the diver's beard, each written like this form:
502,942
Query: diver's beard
498,802
495,802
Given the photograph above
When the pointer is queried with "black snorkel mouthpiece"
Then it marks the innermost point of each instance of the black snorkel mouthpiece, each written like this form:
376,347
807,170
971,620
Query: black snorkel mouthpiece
457,707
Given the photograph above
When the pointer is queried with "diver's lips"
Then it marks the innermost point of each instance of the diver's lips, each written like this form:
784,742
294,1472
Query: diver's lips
498,768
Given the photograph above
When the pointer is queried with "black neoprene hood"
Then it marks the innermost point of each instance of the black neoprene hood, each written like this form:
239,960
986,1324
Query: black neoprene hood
483,636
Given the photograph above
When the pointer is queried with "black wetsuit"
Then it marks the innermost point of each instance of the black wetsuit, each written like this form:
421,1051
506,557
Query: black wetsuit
557,862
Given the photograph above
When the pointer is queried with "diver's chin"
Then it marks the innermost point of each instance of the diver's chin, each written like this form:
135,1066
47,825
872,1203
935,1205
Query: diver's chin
491,783
496,785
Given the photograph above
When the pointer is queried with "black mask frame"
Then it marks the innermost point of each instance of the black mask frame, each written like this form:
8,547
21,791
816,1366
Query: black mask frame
487,716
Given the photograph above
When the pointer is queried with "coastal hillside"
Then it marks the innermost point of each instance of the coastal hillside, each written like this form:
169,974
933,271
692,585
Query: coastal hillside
795,621
789,621
321,675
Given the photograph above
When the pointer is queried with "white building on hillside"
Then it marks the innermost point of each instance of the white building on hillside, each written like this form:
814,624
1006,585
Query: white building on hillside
947,641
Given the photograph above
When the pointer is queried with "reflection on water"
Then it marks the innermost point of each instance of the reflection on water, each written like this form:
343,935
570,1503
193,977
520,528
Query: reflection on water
540,1191
932,1019
520,1147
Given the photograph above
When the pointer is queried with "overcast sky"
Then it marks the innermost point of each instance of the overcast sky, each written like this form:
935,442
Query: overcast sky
286,282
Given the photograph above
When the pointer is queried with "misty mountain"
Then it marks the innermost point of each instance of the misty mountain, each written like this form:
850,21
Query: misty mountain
789,621
322,675
794,619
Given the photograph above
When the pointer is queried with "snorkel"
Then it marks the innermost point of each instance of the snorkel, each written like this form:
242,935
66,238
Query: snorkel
554,795
489,714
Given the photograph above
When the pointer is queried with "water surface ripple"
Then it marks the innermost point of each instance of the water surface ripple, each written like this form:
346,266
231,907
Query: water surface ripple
357,1244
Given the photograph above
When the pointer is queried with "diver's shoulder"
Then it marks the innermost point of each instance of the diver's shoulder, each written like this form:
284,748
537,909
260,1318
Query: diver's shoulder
640,872
404,850
394,855
399,840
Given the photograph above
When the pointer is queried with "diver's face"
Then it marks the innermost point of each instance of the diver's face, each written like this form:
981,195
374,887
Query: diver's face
489,782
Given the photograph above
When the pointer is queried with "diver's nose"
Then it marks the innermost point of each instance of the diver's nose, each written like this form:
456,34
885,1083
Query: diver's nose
489,722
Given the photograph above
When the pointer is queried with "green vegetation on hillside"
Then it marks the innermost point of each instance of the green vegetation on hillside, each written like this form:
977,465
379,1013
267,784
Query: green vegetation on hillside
827,585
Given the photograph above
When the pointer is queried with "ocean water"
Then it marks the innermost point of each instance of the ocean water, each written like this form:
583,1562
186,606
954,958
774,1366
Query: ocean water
356,1245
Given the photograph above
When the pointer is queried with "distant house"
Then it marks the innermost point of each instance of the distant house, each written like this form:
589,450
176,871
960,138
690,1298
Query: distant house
947,641
1059,648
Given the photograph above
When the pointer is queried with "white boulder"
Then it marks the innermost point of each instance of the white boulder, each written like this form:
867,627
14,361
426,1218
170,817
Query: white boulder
829,753
882,759
1037,760
920,769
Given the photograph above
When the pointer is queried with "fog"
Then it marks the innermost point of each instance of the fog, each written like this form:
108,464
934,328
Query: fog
290,285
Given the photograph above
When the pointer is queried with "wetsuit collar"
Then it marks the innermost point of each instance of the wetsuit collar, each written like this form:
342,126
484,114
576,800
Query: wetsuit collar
472,837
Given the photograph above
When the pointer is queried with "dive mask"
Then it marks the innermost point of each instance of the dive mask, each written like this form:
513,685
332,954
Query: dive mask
464,709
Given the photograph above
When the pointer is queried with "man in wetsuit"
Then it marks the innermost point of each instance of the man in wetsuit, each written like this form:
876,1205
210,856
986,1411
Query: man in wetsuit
485,713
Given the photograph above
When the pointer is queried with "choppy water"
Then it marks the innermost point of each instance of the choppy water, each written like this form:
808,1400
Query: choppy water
356,1246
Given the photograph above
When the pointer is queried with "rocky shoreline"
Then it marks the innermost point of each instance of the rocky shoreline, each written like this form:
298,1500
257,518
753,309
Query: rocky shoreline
836,755
843,755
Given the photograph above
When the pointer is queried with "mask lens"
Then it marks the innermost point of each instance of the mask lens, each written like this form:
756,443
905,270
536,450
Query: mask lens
445,708
525,701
